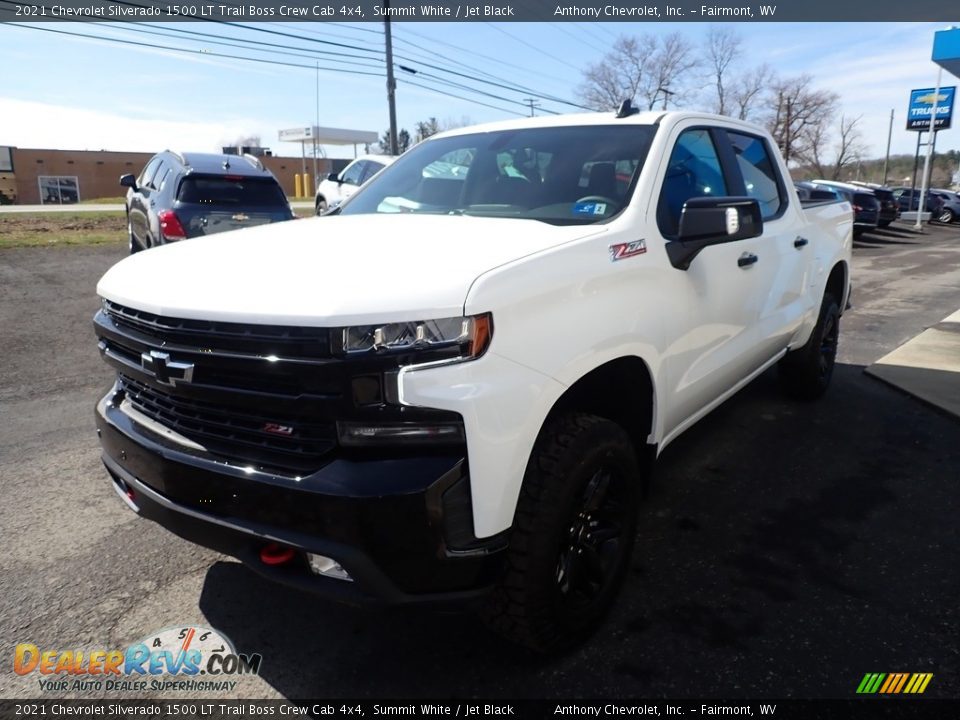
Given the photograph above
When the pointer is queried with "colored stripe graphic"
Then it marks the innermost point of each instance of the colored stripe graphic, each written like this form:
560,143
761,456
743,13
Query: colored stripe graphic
894,683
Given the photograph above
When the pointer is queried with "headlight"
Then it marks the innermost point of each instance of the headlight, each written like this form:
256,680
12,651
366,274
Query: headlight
470,334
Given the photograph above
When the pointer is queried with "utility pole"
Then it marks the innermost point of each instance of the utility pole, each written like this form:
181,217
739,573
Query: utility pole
391,82
886,159
533,103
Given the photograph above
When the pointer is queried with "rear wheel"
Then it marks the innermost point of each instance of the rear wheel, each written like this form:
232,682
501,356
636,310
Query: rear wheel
572,535
805,373
946,216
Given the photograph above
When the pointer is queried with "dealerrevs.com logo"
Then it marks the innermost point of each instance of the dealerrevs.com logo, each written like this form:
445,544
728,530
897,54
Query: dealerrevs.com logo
187,658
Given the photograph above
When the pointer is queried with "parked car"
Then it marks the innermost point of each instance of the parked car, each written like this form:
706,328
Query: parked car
465,405
186,195
337,187
909,201
866,206
950,212
889,207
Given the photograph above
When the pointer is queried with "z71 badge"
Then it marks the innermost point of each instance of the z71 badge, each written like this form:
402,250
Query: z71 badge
621,251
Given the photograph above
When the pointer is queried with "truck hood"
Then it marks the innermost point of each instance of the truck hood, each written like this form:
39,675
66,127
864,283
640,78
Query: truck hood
329,271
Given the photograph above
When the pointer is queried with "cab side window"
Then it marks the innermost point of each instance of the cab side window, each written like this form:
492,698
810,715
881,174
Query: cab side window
693,171
760,177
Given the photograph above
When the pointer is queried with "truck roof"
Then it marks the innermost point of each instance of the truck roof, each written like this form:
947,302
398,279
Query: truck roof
598,118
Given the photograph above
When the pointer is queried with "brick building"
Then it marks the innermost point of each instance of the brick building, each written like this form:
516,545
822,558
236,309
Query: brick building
41,176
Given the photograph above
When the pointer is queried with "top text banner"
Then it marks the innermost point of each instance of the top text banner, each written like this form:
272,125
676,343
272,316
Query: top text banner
652,11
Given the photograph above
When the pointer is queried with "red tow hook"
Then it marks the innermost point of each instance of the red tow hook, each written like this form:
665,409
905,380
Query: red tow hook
275,554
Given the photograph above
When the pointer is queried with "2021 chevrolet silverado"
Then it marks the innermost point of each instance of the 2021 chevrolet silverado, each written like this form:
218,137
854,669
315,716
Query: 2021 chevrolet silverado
455,387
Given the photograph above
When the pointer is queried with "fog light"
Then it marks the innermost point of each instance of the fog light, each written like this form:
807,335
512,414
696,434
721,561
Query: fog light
328,567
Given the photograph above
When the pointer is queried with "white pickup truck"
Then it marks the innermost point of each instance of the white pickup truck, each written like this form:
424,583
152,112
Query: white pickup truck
452,388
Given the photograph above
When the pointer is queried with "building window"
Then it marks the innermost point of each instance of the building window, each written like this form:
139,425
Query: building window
59,189
6,160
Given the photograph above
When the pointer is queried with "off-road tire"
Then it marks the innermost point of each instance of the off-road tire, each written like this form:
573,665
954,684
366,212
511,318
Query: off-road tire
555,589
805,373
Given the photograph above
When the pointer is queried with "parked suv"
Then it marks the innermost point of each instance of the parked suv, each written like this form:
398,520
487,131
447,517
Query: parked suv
889,207
179,196
337,187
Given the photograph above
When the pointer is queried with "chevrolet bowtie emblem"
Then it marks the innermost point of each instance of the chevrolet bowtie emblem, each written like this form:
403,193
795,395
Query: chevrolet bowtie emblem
241,217
165,370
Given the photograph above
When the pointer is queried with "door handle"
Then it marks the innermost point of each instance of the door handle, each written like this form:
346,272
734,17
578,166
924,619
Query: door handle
746,260
800,242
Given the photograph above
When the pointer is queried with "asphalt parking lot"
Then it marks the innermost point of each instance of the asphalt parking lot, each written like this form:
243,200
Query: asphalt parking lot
785,549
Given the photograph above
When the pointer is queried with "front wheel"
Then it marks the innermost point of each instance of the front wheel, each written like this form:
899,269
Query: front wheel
946,216
321,206
134,245
805,373
572,535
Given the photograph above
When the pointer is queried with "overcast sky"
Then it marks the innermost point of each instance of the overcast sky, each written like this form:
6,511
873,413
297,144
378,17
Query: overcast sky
60,91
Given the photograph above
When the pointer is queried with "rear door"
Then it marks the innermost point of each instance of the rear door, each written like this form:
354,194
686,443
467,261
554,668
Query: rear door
721,292
782,302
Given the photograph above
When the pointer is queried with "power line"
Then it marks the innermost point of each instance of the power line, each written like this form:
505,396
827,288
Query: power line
533,47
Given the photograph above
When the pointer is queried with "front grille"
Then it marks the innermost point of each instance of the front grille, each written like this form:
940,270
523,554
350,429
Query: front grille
239,435
262,340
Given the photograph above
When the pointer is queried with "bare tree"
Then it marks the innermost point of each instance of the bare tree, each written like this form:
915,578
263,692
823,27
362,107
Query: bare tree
746,92
620,74
640,68
723,49
452,123
847,150
797,114
426,128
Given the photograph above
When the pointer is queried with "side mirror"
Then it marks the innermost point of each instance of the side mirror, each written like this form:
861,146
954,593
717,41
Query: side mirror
128,181
706,221
333,177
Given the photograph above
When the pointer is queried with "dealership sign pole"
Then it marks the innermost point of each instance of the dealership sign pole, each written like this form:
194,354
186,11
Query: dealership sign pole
932,138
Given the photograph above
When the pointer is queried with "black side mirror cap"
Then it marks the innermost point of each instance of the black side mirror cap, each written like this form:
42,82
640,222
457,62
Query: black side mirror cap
334,177
128,181
706,221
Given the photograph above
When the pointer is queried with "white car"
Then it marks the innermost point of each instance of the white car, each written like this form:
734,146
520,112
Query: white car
337,187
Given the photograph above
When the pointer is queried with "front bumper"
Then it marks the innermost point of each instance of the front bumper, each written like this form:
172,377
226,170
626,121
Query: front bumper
400,526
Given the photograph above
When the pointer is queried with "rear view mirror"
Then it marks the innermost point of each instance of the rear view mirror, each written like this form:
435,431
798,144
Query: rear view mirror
707,221
333,177
128,181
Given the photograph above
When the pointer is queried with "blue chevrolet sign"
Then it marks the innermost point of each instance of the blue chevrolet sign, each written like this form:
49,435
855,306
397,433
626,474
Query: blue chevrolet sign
921,103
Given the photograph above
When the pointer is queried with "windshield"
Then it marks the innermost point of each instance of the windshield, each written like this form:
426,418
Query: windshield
561,175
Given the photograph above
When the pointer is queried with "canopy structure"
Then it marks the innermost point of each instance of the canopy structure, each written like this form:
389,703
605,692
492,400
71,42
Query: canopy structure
328,136
946,50
315,136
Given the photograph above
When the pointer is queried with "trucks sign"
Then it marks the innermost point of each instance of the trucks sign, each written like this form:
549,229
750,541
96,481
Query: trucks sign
921,103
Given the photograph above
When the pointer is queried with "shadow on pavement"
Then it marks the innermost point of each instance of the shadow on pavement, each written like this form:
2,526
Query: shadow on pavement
778,540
